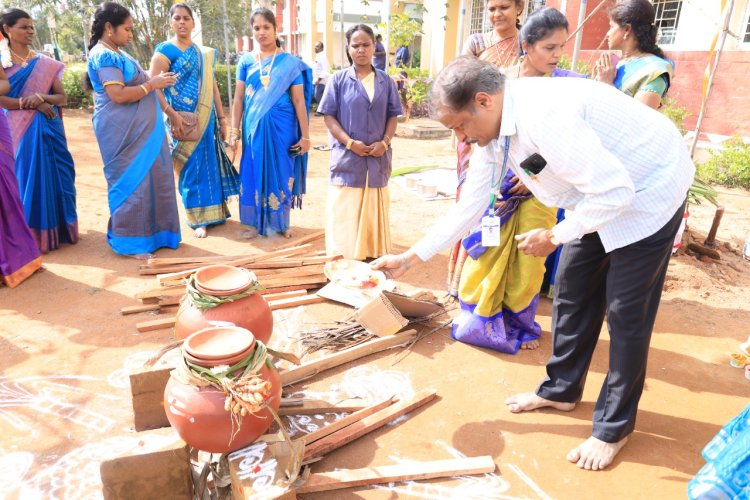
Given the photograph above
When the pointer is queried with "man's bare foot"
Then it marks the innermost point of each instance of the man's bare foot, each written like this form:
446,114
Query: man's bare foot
249,234
530,344
200,232
595,454
527,401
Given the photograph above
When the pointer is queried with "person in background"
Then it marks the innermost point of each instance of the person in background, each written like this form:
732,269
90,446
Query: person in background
206,176
565,139
403,57
499,47
44,166
498,311
361,107
643,71
321,74
129,127
271,104
19,253
379,57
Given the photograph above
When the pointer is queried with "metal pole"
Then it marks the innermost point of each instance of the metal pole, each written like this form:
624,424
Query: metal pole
461,22
722,39
579,35
230,97
387,40
343,35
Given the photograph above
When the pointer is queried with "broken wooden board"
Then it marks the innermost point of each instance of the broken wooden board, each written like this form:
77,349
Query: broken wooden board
317,407
343,422
358,429
312,368
336,480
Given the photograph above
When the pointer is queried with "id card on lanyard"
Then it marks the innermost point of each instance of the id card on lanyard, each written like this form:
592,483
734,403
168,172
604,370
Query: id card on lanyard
491,223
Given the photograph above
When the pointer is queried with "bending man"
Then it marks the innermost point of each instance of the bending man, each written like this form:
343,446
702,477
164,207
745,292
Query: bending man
622,172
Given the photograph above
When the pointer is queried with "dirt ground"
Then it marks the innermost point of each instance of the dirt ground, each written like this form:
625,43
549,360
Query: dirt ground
65,352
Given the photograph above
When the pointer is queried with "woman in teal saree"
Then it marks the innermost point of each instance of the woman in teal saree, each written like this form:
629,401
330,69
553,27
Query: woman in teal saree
206,176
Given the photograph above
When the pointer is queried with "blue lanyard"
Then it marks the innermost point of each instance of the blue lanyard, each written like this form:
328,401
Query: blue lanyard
503,171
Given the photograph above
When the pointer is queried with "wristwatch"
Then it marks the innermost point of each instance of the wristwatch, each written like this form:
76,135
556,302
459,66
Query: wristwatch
553,239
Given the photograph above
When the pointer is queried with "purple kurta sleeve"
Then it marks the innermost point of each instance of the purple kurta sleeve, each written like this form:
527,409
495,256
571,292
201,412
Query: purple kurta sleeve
394,101
329,105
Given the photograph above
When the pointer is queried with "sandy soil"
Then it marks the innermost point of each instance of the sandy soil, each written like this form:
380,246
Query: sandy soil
65,352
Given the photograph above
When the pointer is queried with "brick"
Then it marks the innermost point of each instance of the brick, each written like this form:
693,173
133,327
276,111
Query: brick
147,391
151,474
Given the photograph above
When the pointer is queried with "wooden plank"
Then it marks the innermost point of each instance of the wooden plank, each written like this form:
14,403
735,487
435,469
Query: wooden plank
169,261
295,301
284,295
317,279
317,235
282,289
316,407
347,420
327,481
156,324
161,292
311,369
368,424
139,309
170,301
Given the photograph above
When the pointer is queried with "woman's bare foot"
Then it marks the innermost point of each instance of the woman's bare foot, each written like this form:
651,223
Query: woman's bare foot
595,454
530,345
527,401
287,234
249,234
200,232
141,256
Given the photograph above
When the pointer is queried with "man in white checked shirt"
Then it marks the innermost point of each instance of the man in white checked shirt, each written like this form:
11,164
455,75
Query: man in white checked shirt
622,172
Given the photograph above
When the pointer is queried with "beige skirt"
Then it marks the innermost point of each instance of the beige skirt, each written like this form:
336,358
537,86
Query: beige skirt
357,224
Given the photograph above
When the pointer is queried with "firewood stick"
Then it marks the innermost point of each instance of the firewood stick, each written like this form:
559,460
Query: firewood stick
295,301
304,239
302,280
346,421
317,407
326,481
161,292
284,295
139,309
311,369
368,424
170,261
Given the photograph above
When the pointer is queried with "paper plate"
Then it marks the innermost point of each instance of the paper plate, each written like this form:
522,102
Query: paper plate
354,274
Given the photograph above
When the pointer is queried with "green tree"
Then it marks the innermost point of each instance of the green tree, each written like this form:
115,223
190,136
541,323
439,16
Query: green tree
403,30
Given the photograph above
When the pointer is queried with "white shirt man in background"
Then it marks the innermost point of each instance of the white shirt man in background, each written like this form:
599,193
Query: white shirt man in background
321,73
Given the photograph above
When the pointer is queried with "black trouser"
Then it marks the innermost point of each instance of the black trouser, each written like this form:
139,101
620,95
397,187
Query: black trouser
625,284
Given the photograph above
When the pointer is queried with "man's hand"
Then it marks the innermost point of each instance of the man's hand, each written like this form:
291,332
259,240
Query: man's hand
536,242
394,266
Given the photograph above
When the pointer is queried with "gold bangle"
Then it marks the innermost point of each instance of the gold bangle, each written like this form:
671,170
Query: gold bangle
386,137
349,143
384,145
20,103
145,90
305,139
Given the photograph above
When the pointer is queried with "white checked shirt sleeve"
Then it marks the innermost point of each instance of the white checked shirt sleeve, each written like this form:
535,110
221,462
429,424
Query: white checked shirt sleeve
574,152
471,206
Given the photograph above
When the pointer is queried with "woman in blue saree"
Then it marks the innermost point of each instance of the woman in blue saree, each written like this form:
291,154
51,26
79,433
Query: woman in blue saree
206,176
44,166
129,126
271,106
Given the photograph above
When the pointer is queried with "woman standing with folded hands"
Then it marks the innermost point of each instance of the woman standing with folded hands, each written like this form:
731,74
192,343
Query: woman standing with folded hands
361,107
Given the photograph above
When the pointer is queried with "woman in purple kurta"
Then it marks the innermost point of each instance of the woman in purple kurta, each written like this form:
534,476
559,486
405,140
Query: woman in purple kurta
19,254
361,107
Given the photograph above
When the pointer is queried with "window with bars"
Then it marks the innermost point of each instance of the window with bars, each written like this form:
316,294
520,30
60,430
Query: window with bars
746,38
667,18
477,18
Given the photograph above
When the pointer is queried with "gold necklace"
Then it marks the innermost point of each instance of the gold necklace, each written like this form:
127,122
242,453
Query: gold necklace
23,61
113,49
265,80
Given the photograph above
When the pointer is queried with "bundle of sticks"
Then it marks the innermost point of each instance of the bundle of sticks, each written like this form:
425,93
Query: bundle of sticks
290,276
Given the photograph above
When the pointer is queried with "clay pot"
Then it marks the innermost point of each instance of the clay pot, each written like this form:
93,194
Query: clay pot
251,312
199,417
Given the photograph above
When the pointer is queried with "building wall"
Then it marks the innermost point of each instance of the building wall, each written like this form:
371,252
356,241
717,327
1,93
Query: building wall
728,109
